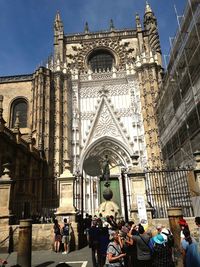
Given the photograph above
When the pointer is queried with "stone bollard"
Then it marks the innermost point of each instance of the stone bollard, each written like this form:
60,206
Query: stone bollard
174,214
25,243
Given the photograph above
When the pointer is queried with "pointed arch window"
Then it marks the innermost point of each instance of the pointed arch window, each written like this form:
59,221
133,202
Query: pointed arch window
20,105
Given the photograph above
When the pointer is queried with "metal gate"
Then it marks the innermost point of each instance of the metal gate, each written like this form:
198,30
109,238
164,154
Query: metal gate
168,188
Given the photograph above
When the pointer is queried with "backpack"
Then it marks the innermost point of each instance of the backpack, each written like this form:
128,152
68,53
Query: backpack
65,230
151,246
170,240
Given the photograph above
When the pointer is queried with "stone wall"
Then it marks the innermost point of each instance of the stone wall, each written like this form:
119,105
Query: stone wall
42,234
42,237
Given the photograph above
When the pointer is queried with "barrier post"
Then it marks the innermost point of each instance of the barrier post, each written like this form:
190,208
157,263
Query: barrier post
174,214
25,243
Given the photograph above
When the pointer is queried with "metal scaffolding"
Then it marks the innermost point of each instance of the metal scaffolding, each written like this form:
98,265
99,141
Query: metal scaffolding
182,73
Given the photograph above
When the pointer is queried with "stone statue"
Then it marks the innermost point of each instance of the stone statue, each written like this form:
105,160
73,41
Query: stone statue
106,171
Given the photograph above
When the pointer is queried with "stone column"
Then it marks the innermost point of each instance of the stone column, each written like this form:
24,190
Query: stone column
6,187
66,201
25,243
174,214
137,184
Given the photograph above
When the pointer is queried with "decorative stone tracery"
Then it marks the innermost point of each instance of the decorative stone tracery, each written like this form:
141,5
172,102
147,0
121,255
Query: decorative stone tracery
78,59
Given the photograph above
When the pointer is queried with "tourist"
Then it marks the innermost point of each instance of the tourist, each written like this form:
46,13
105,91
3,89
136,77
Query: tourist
159,228
57,236
191,257
115,257
113,222
143,250
168,236
65,236
93,235
126,241
162,256
87,224
183,225
197,221
133,231
103,244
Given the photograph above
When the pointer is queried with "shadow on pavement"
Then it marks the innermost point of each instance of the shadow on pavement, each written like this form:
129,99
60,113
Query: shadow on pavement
47,263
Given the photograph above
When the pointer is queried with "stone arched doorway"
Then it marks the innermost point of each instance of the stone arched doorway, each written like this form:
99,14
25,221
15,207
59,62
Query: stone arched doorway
89,186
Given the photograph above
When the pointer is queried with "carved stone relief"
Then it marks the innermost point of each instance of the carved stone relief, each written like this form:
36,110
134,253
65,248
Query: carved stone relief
79,53
94,92
102,128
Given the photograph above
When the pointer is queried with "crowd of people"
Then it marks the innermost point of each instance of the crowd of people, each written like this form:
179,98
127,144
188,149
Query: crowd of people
117,244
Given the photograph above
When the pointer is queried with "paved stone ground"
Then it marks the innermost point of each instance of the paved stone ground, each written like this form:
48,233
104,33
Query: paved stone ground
44,258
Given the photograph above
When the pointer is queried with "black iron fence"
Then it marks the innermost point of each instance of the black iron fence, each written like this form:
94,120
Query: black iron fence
38,211
34,198
168,188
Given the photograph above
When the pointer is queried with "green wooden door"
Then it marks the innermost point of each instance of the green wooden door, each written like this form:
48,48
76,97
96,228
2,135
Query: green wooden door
114,186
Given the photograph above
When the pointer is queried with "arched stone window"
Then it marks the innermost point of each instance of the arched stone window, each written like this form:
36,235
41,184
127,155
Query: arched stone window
101,60
19,105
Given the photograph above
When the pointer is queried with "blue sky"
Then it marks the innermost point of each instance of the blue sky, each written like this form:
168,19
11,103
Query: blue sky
26,26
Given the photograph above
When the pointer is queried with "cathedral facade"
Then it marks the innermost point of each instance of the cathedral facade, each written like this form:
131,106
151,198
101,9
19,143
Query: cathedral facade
95,98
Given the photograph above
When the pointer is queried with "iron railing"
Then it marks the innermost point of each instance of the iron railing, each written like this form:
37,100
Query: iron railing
168,188
39,211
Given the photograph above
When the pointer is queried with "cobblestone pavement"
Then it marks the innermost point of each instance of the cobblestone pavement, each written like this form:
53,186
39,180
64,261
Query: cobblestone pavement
47,258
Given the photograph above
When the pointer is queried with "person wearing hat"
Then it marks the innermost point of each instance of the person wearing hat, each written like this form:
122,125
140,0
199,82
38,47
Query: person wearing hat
168,236
162,256
183,224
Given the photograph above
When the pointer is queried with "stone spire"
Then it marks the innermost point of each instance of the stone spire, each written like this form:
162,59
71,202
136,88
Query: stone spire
86,29
58,25
111,25
149,18
150,26
148,8
58,38
138,22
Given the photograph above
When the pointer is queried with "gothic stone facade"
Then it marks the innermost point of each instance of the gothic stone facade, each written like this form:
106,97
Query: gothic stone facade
95,97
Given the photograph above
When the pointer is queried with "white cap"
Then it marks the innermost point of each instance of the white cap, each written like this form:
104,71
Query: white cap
165,232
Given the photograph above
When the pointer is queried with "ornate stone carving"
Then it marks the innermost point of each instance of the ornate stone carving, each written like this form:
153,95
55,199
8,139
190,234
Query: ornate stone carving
122,50
102,128
94,92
